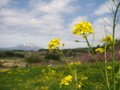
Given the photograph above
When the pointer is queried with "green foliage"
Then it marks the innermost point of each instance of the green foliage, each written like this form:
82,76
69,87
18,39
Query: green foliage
19,55
74,52
4,54
34,58
67,52
0,64
52,57
117,42
9,54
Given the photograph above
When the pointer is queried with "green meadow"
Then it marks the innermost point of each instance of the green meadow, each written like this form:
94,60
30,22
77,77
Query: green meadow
46,77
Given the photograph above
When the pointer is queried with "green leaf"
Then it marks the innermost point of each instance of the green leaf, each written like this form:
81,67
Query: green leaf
118,73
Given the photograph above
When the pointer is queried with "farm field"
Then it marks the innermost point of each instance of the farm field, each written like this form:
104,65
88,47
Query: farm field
46,77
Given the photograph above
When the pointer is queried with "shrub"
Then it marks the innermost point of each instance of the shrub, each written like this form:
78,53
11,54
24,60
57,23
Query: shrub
0,64
2,54
10,54
52,56
20,55
34,58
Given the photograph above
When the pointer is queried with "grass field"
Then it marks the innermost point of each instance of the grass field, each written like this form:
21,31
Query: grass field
49,78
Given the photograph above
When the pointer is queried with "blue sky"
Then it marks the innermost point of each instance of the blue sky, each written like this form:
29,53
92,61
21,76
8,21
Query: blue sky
39,21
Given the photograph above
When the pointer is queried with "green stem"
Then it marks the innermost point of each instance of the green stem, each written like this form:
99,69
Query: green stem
113,45
97,62
74,75
106,68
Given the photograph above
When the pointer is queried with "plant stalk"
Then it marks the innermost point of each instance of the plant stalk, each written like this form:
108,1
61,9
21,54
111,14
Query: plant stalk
106,76
113,45
74,75
97,62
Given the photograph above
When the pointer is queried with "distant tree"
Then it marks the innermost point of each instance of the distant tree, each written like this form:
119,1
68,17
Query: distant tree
10,54
2,54
34,58
52,57
98,46
0,64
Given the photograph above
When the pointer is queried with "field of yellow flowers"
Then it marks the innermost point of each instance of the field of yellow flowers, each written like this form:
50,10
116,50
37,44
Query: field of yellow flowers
53,78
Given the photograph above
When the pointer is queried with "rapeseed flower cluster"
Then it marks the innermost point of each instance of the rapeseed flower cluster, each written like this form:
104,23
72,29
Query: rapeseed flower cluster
80,85
73,63
66,80
109,67
43,70
83,28
44,88
54,44
77,41
63,44
107,39
3,70
101,50
84,78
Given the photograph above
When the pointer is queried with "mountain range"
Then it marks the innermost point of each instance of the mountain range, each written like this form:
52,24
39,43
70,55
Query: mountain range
25,46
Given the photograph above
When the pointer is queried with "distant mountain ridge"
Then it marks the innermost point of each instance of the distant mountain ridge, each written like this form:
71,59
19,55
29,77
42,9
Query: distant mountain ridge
25,46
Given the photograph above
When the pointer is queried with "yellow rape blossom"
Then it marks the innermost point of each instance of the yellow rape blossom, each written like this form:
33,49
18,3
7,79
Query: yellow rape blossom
77,63
44,88
101,50
43,70
83,28
3,70
84,78
63,44
66,80
84,36
109,67
71,63
77,41
119,52
108,39
80,85
54,44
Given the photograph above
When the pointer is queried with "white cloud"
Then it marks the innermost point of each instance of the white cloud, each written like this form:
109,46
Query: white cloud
103,9
54,6
22,19
14,12
48,19
4,2
27,21
98,27
103,21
